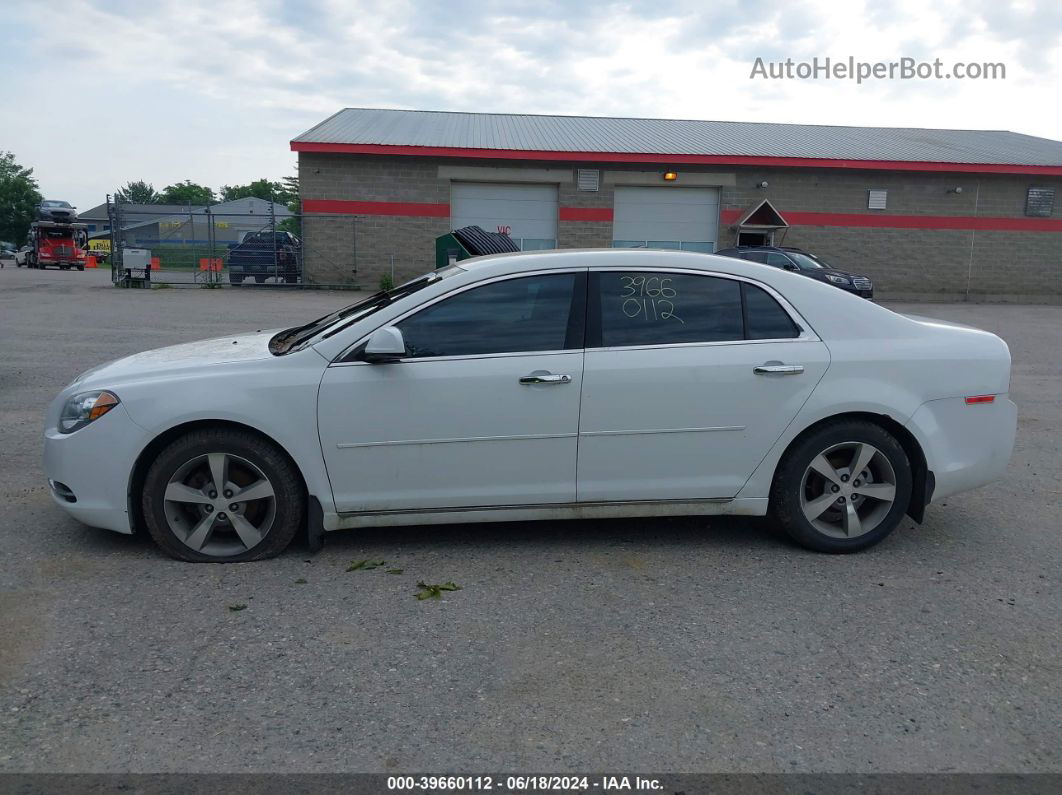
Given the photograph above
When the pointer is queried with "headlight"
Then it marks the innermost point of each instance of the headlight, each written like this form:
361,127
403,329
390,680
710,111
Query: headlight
838,279
82,409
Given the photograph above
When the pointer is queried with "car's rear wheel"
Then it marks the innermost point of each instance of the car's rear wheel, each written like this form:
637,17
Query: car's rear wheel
222,495
843,488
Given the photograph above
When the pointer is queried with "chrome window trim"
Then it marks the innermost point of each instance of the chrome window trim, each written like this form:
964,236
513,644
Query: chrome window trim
455,292
807,334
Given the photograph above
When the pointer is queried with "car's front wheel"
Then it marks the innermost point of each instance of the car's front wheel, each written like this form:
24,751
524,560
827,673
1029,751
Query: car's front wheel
842,488
222,495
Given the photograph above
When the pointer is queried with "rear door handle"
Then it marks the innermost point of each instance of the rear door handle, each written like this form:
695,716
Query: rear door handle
778,369
545,378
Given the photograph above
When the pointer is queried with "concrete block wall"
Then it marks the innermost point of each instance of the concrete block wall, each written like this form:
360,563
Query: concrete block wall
904,262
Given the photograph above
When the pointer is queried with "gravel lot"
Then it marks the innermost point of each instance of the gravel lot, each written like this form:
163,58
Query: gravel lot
687,645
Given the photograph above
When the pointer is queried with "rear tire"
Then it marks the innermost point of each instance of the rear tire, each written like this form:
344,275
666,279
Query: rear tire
824,505
188,523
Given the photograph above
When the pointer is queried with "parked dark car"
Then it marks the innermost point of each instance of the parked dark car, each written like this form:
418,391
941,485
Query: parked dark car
804,263
56,210
254,256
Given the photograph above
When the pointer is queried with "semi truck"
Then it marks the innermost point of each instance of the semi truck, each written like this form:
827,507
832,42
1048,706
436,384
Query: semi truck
55,243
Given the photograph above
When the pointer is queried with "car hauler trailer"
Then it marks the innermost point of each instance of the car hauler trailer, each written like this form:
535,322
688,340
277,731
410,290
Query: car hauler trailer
59,244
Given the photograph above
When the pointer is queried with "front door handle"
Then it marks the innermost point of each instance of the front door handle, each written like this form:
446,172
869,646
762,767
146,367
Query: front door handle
545,378
778,369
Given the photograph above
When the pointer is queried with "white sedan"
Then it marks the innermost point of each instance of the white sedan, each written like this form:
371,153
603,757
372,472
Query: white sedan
559,385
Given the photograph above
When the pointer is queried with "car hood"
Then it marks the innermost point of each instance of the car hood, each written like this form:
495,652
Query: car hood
189,355
823,272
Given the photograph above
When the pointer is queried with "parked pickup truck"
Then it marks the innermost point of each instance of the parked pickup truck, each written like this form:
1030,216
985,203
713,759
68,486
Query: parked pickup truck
254,256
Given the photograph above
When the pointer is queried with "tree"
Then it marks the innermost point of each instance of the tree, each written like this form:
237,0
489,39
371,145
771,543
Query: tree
138,192
259,189
290,196
187,192
19,198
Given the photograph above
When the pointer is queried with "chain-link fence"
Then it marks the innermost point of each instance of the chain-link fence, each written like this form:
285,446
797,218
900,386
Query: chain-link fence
245,243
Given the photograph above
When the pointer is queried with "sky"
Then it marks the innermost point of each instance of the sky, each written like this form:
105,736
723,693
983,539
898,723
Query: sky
96,93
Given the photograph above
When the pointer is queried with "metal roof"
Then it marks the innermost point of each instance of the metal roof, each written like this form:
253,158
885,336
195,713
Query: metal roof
524,133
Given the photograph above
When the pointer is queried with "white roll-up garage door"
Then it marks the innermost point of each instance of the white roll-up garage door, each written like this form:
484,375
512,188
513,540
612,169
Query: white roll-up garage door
527,213
666,217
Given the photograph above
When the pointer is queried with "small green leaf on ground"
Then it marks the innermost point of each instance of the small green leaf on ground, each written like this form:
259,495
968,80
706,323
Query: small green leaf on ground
435,591
237,607
365,565
300,581
395,571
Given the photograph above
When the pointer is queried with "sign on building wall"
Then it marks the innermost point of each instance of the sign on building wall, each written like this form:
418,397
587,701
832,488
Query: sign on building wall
1040,202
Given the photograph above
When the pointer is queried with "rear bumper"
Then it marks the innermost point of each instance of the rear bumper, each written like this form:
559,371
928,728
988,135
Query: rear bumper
966,446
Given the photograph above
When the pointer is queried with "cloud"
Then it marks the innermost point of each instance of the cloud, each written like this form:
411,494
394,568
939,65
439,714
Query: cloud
213,91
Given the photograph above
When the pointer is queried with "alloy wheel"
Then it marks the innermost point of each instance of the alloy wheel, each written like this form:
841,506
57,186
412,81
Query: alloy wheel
848,489
219,504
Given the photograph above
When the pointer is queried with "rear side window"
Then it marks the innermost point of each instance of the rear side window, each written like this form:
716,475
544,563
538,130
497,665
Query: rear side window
666,308
532,313
764,317
659,308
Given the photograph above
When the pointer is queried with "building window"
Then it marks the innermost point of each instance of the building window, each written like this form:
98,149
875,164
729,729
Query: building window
877,199
1040,202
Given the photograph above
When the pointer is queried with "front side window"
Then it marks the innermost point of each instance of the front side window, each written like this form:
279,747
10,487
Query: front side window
654,308
778,260
659,308
530,313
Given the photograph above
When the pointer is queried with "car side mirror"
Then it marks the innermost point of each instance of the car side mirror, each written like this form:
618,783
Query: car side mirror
384,345
789,266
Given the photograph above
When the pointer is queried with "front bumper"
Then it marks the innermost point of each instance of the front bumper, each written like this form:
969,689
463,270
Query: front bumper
966,446
93,466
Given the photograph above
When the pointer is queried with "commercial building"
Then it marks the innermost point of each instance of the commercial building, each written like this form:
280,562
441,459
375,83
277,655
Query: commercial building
926,213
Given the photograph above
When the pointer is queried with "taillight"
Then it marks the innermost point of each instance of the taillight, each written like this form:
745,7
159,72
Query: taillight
979,399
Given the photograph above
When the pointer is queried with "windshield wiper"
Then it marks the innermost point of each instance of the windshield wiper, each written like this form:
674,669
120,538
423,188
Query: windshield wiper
290,338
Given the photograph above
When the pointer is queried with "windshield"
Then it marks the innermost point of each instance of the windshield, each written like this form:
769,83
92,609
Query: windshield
805,262
55,204
297,336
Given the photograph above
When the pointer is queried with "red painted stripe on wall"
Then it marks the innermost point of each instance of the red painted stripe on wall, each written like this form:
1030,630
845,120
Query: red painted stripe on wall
586,213
418,209
663,159
911,221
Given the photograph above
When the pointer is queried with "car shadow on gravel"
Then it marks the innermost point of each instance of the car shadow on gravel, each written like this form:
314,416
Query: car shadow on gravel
736,532
722,532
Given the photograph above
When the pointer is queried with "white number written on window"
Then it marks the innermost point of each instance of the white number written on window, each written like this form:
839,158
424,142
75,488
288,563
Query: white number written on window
649,297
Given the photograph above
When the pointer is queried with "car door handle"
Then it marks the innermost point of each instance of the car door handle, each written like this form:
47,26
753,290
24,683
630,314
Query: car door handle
545,378
778,369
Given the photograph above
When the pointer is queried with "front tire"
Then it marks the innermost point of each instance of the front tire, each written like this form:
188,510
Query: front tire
223,496
843,488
